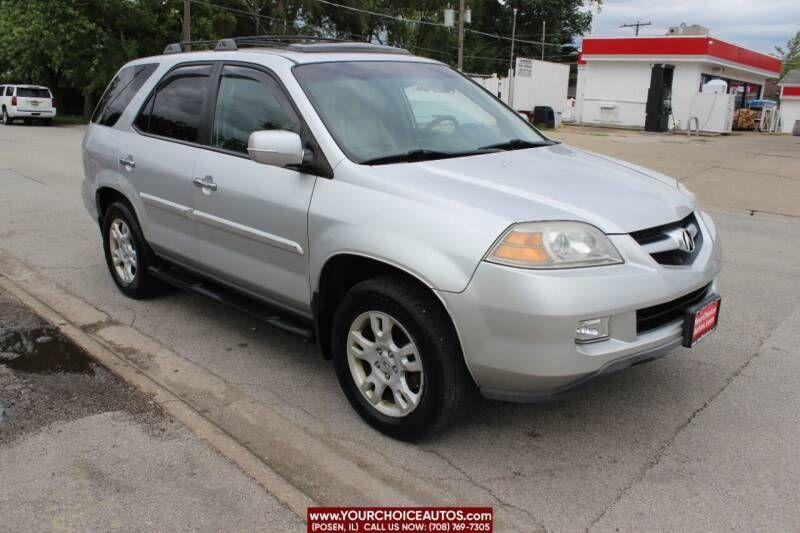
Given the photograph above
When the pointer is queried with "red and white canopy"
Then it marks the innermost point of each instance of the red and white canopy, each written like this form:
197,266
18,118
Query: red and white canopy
679,48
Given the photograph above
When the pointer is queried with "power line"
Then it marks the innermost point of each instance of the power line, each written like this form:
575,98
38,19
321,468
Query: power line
442,53
249,14
636,25
243,12
428,23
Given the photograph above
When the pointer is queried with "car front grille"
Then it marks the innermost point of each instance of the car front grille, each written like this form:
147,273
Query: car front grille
650,318
667,244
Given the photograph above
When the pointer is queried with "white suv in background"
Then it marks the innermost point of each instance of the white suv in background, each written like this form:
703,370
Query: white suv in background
26,102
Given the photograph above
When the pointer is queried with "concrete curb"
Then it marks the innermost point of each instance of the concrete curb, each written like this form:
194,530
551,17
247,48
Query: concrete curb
217,438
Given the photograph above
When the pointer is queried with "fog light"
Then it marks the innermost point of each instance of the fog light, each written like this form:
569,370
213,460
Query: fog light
595,329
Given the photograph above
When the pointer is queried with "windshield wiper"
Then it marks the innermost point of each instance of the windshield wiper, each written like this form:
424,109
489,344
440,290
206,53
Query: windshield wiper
517,144
413,156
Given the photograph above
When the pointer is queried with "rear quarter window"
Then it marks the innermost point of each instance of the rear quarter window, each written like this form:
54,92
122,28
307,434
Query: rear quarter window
120,92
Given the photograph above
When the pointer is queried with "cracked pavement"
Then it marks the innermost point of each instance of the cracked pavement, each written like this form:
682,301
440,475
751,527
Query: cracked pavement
703,439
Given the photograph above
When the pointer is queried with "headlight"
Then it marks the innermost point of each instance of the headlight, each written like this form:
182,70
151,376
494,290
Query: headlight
553,245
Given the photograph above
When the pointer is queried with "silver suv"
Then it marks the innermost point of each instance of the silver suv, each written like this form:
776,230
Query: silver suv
431,240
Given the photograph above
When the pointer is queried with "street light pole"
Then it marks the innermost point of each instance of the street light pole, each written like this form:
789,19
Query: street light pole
461,11
544,25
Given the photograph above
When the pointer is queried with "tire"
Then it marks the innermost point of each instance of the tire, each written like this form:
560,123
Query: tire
443,388
7,121
134,281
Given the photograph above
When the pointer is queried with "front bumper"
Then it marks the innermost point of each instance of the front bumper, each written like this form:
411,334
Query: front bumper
517,326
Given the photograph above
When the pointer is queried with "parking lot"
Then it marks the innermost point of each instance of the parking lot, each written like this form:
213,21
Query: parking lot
701,439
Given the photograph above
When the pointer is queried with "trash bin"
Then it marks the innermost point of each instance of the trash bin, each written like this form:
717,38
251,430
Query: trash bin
544,115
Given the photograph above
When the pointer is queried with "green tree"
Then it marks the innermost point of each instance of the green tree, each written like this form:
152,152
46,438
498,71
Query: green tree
76,46
790,55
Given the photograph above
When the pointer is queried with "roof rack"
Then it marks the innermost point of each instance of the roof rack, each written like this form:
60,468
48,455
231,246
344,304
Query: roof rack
348,47
295,43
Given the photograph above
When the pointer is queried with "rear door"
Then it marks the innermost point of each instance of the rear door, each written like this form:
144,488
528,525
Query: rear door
102,141
159,156
34,99
252,224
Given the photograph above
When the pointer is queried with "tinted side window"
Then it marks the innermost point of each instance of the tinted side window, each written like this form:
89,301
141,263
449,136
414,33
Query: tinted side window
249,100
120,92
9,91
176,108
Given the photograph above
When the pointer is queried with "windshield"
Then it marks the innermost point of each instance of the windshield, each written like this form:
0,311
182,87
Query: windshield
377,111
30,92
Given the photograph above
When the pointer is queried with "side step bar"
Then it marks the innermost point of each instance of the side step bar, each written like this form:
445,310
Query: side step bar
228,297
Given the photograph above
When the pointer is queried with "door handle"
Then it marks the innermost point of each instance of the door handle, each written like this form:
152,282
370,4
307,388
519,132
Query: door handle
207,183
127,161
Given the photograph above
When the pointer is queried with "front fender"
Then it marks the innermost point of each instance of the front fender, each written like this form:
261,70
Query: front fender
439,246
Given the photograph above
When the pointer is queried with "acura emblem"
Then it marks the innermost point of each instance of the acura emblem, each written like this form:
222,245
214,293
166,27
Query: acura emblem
685,241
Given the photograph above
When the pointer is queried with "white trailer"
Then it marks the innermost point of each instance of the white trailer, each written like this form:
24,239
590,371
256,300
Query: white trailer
539,83
536,83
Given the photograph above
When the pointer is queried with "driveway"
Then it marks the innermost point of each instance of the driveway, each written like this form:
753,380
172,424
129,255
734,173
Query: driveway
701,439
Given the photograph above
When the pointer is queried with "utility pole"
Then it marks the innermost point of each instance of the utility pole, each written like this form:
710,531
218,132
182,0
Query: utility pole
511,68
461,11
187,22
636,25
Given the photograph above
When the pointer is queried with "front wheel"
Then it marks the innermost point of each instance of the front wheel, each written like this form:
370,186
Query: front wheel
398,359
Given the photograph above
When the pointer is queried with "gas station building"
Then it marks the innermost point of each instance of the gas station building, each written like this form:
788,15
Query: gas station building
653,82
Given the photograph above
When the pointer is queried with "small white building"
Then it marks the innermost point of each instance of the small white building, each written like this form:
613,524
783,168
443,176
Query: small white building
790,100
655,82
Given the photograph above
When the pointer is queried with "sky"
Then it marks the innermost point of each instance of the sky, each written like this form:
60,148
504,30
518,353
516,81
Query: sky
757,24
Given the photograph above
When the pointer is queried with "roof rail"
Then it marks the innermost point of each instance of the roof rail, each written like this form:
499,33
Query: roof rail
295,43
177,48
347,47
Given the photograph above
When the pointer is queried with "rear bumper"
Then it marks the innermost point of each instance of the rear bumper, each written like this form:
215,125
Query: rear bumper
17,113
517,326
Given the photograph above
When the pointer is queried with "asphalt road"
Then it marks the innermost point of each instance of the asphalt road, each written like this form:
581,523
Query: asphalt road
704,439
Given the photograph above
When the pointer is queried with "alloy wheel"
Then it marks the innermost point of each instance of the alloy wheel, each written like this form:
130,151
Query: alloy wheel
385,363
123,252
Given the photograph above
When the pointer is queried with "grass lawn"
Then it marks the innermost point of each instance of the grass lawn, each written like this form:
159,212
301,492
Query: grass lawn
69,120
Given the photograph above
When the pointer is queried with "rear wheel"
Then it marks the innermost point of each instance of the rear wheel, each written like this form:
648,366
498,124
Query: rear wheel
398,359
7,121
127,254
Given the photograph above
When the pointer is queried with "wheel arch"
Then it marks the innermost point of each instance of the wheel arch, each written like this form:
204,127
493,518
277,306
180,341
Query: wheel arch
106,195
342,271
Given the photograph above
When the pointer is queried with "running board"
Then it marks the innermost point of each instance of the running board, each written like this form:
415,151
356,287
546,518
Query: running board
230,298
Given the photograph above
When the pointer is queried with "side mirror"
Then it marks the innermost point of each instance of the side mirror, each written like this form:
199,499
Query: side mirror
279,148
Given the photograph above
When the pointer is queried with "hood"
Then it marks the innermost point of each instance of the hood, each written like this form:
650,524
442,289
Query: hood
556,182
